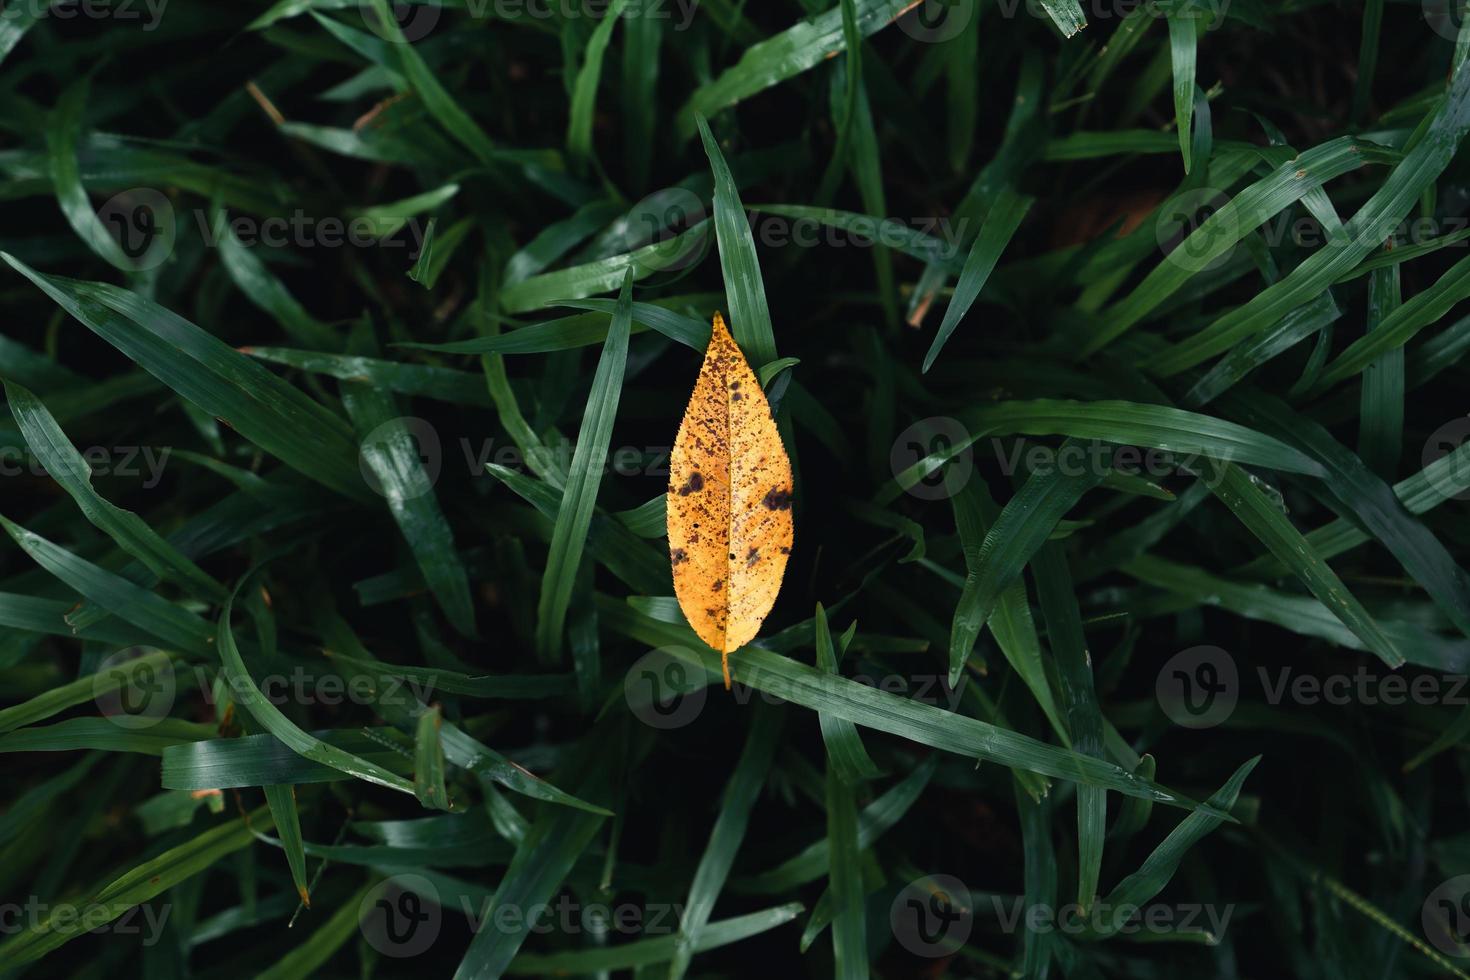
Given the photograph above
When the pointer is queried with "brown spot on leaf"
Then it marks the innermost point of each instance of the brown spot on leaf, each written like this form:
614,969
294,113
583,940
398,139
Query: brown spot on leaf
777,499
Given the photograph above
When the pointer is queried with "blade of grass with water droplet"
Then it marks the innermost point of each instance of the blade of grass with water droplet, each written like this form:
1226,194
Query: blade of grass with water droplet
392,452
1239,491
1369,499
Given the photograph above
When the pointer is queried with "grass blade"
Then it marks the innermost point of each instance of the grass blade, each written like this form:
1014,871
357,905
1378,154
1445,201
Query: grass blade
574,518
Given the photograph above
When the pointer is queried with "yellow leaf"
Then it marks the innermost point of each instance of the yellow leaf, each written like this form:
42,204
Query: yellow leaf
729,513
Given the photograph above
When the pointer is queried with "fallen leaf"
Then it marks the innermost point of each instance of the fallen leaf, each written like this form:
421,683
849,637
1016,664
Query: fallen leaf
729,505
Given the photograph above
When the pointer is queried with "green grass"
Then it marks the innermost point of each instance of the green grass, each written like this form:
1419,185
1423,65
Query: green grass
1120,353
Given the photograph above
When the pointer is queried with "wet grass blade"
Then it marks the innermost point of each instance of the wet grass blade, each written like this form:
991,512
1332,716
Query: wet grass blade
269,717
845,753
750,317
392,453
140,884
422,380
1371,501
1068,645
1159,867
1130,423
584,88
725,839
795,50
1399,325
264,760
845,877
173,625
1296,326
641,954
1011,623
1005,216
1381,431
1239,491
1022,527
1183,40
72,472
574,517
1361,235
879,710
602,275
221,381
428,762
62,135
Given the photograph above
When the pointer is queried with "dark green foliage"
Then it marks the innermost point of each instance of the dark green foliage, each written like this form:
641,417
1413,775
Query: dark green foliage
1122,371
